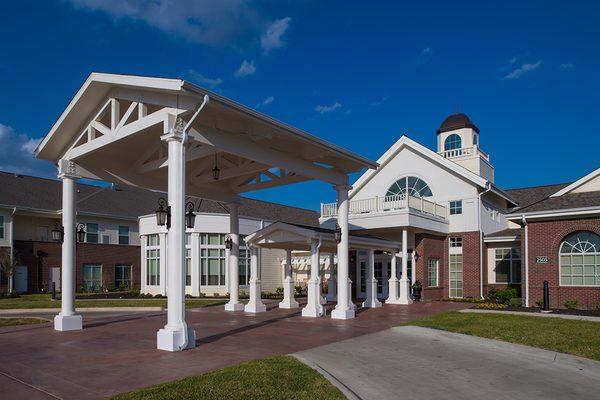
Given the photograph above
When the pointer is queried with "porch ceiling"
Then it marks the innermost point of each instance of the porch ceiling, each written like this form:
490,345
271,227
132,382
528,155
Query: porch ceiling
111,131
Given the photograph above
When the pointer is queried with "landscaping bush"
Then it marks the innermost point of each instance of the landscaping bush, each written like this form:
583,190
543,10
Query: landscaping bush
596,305
502,296
299,290
540,303
515,302
490,306
571,304
279,291
463,300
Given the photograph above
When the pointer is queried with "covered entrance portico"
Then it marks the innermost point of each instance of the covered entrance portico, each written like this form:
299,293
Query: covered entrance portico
171,136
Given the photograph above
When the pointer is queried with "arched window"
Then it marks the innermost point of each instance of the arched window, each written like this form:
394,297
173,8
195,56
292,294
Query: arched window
452,142
580,259
411,185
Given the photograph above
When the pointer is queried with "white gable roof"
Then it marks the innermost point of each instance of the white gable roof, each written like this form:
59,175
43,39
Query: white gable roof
578,183
405,141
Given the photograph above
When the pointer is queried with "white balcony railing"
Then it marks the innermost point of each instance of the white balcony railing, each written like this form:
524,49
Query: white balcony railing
386,204
465,151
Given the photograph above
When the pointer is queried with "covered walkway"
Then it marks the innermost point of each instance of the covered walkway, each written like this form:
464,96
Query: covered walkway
115,355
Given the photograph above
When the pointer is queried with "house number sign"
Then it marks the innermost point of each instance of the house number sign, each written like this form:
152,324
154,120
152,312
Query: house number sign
541,259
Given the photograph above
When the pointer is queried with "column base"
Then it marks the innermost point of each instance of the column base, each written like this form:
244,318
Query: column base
288,303
373,303
313,312
170,340
255,308
393,292
405,297
234,306
68,323
342,314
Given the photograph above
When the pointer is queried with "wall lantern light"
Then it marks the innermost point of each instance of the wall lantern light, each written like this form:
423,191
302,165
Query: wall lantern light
163,213
228,242
216,171
80,233
338,233
416,256
190,217
58,233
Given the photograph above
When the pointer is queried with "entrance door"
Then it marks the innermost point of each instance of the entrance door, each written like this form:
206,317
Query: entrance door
382,268
361,278
55,278
20,279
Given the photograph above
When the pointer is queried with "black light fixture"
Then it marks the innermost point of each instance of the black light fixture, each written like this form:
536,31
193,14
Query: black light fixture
190,217
163,213
337,233
416,256
80,232
58,233
228,242
216,171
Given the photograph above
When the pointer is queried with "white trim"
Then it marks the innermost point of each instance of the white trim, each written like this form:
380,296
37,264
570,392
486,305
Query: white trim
577,183
554,213
500,239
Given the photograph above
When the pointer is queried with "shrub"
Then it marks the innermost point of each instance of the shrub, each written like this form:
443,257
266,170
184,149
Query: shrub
490,306
202,294
515,302
571,304
540,303
279,291
216,294
158,296
502,296
596,305
299,290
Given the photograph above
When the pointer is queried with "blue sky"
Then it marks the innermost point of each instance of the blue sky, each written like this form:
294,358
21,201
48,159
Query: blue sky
359,76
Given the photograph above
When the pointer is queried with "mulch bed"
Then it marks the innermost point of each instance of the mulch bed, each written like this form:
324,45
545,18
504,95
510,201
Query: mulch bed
585,313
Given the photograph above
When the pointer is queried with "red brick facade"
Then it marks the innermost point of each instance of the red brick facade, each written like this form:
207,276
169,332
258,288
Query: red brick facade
40,257
3,277
545,238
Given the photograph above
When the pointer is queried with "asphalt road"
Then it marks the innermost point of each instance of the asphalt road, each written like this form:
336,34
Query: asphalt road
419,363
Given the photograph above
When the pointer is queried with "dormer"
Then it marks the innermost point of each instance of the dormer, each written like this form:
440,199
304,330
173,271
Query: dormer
458,140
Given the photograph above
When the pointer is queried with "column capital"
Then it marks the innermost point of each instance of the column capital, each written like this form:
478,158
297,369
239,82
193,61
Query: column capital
173,128
67,169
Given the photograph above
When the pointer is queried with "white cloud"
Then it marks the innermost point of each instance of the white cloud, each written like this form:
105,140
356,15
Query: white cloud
566,66
16,154
265,102
379,102
247,68
272,37
522,69
425,56
202,80
210,22
325,109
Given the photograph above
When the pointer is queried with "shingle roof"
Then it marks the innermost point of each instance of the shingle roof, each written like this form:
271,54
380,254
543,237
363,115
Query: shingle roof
504,232
538,198
28,192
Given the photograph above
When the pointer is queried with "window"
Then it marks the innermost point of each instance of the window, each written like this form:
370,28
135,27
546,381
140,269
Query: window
456,207
580,259
411,185
123,276
432,271
244,266
453,142
2,227
455,242
456,275
152,260
188,259
212,239
508,265
91,233
92,277
123,234
212,259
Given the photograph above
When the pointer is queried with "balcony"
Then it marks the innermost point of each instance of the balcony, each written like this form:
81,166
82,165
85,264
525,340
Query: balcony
386,204
464,152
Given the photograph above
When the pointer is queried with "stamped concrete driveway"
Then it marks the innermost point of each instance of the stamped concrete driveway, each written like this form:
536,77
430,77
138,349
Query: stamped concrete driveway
418,363
118,354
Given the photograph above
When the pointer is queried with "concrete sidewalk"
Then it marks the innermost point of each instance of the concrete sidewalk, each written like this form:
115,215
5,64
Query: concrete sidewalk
420,363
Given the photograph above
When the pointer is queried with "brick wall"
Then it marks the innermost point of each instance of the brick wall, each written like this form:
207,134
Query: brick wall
4,277
40,257
432,247
544,240
471,262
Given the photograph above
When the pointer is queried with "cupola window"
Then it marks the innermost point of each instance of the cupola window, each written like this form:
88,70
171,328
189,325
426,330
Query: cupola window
453,142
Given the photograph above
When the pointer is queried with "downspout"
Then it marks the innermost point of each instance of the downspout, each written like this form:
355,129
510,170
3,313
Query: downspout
526,228
183,151
488,188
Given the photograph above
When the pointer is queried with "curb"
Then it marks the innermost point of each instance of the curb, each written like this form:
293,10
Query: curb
346,391
17,311
531,314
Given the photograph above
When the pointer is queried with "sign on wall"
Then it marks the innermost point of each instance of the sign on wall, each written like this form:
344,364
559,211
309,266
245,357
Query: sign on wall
541,260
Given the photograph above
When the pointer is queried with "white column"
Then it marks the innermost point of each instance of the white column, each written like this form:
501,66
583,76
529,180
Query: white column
405,297
313,307
176,335
195,264
67,320
331,285
394,284
343,310
143,269
234,256
288,284
371,301
255,304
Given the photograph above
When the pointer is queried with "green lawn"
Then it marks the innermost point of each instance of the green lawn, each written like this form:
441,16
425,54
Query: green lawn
9,321
280,377
581,338
44,301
